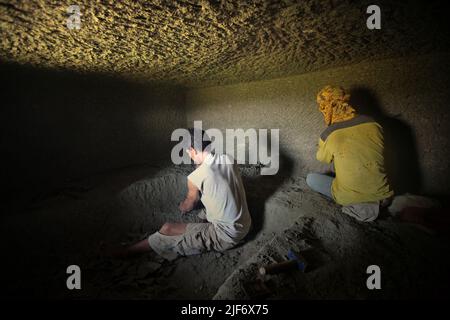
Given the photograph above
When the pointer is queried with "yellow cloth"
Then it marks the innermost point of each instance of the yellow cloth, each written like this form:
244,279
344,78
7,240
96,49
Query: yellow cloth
357,153
333,103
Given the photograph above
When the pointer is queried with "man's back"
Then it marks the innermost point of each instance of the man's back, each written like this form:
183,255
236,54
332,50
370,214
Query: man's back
356,148
223,196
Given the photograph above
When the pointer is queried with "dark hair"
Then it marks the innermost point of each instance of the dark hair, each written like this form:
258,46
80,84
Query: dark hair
200,141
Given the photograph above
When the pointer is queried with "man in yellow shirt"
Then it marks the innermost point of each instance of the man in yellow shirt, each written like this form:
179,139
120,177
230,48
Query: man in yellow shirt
354,144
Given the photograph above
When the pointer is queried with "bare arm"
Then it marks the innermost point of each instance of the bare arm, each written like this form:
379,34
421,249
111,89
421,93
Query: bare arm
191,198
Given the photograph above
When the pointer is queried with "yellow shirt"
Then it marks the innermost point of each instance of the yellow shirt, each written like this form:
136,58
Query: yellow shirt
356,148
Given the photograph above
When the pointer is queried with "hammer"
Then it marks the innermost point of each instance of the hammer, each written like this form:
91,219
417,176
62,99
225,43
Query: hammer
294,262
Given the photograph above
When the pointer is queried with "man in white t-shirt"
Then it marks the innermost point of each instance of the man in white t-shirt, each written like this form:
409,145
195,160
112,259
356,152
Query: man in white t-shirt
216,182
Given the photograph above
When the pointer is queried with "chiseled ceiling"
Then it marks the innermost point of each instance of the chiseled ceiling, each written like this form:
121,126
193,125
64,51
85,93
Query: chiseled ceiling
203,43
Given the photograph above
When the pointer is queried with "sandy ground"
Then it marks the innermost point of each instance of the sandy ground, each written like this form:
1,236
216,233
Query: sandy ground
68,226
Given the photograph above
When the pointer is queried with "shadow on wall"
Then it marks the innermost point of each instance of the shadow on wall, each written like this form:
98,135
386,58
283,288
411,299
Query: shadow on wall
401,156
259,189
62,125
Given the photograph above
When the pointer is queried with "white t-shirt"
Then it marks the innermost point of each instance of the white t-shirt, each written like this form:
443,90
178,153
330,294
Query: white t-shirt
223,196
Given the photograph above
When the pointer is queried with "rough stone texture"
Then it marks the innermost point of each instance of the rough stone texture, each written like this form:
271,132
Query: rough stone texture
198,43
409,97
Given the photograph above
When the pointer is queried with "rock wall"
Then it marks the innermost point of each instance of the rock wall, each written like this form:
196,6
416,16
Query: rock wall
408,96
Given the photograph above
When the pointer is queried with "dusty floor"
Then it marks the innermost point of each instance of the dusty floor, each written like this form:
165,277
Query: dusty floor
66,228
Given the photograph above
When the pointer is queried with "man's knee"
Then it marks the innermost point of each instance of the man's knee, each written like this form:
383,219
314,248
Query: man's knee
320,183
310,179
166,228
172,229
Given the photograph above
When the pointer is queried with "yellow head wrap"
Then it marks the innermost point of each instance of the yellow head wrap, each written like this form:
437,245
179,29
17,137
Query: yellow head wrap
333,103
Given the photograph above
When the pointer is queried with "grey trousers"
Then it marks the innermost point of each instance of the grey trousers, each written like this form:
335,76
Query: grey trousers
198,238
